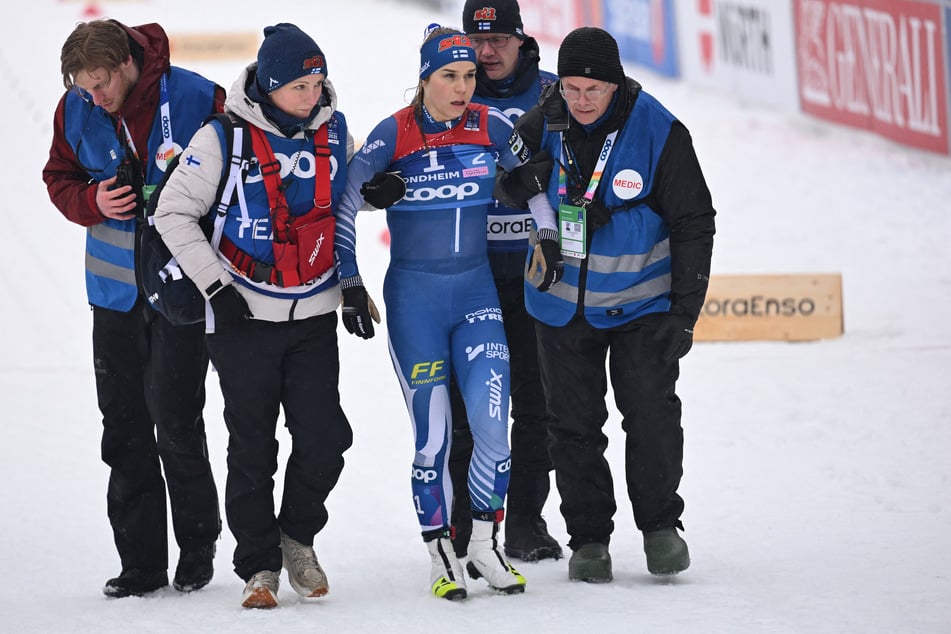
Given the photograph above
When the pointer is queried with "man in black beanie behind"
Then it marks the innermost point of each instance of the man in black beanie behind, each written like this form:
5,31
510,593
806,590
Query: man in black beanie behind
622,268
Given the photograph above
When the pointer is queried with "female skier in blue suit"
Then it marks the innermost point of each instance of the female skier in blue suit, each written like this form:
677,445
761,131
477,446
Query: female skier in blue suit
433,166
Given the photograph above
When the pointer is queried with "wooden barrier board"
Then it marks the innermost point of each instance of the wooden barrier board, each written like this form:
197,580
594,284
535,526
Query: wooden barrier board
214,46
787,307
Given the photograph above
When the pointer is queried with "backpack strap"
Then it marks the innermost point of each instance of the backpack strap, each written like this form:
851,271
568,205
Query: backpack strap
281,220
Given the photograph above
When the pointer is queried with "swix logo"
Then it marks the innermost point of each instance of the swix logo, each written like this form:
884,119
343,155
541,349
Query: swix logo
495,395
445,192
424,475
369,147
485,13
313,256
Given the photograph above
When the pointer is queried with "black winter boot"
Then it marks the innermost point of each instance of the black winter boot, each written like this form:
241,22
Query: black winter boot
195,569
666,552
526,534
135,582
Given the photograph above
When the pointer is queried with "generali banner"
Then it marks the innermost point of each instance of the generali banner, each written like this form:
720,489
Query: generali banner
875,64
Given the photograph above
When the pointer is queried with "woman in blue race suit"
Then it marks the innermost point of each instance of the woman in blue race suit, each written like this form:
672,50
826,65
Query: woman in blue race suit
432,165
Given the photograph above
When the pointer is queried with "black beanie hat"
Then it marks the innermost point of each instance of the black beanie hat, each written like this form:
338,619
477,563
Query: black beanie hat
286,54
492,16
590,52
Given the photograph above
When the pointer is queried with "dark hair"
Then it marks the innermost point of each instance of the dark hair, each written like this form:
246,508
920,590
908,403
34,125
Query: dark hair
91,45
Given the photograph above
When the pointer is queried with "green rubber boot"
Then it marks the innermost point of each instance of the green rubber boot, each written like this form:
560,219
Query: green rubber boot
591,563
666,552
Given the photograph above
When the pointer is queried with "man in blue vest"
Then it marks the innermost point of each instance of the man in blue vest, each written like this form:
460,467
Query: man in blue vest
508,77
618,276
125,114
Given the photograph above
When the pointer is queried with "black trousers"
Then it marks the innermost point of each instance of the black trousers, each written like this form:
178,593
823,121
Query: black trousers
264,366
573,371
150,381
529,483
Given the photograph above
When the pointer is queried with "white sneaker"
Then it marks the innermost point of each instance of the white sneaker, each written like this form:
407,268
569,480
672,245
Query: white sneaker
485,559
445,576
261,590
303,571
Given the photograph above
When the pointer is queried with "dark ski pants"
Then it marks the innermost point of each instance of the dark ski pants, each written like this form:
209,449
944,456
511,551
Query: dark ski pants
531,464
150,381
573,359
264,366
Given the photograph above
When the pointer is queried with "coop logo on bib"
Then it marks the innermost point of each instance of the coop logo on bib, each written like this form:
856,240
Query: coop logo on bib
627,184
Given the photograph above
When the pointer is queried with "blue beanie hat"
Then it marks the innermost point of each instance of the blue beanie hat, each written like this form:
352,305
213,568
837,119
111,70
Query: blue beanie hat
286,54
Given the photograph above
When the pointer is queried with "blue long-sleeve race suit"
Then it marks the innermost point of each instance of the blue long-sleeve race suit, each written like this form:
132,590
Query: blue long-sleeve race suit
442,309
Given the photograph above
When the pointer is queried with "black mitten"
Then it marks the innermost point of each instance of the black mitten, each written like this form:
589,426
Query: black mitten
676,333
231,309
383,190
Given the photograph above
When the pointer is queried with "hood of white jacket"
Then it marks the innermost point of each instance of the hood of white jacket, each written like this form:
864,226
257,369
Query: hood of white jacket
241,105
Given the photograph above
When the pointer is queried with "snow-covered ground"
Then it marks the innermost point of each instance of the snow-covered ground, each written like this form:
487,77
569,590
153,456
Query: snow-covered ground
816,474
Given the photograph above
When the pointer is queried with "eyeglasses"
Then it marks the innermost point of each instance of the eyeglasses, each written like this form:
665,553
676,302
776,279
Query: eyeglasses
590,94
495,41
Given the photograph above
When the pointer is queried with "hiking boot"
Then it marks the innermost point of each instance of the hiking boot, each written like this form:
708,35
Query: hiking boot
135,582
591,563
528,539
304,573
195,569
485,560
666,552
261,590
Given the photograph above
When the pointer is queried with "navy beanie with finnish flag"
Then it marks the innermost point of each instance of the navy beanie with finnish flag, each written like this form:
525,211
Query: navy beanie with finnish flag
492,16
286,54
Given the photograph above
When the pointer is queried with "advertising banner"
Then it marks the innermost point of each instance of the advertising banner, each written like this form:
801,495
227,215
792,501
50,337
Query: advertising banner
875,64
646,33
744,47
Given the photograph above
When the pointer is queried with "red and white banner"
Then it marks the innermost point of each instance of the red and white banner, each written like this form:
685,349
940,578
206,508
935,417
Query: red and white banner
875,64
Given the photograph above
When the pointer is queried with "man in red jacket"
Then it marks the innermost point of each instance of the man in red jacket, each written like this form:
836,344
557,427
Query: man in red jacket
126,113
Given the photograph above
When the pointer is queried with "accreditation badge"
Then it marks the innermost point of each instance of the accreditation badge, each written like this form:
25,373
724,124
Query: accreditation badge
571,232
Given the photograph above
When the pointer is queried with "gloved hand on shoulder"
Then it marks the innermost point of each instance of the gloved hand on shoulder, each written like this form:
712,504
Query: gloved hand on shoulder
675,332
515,188
359,311
547,261
383,190
230,308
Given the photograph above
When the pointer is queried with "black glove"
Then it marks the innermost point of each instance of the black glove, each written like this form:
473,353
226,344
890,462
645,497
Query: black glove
357,312
547,260
383,190
515,188
596,216
231,309
676,333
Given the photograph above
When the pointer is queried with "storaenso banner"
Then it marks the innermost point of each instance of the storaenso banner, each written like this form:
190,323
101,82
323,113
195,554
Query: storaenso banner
760,306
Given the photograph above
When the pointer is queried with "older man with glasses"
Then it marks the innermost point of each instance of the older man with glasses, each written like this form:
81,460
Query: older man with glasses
618,278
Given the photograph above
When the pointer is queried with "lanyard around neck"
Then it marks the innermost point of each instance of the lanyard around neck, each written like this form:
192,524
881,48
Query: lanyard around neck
567,154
